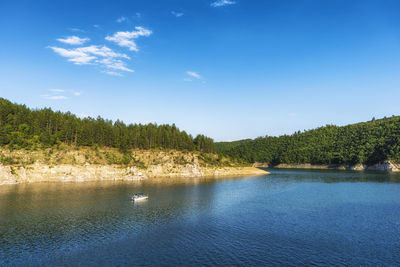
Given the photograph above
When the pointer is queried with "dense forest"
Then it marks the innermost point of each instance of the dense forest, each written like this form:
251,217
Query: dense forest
367,143
21,127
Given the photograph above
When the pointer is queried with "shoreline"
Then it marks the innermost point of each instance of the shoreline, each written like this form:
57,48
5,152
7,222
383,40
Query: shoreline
94,173
386,166
89,164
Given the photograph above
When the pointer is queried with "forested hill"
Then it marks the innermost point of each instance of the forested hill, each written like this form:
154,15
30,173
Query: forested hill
367,143
21,127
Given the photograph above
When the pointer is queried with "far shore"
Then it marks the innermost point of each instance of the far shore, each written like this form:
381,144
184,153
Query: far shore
386,166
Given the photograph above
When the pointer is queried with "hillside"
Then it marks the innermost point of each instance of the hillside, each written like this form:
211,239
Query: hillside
80,164
24,128
368,143
44,145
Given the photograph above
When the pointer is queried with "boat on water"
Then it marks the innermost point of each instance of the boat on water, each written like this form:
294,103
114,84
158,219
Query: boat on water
139,196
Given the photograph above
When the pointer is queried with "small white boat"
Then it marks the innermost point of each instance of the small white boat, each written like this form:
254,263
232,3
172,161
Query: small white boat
139,196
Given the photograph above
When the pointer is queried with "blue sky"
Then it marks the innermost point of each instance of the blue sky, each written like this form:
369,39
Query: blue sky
230,69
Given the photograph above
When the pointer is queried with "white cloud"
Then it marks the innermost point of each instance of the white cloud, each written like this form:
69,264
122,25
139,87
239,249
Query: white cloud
127,39
94,55
193,74
220,3
54,97
108,60
114,64
113,73
77,93
57,90
76,30
73,40
61,94
102,51
122,19
177,14
74,55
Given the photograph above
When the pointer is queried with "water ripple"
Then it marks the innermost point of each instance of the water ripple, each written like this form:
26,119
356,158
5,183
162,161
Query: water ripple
288,218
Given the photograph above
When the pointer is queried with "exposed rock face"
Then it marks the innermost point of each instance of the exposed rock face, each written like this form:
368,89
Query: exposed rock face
384,166
66,173
91,172
6,175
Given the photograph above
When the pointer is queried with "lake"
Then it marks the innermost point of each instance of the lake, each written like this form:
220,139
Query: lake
290,217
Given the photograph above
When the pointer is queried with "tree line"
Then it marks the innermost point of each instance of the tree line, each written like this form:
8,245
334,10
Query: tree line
21,127
366,143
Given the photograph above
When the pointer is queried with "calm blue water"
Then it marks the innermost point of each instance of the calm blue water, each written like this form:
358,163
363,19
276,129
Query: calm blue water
287,218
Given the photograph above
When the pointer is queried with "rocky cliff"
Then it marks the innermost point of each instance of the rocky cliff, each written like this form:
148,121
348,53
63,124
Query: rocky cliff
69,165
88,172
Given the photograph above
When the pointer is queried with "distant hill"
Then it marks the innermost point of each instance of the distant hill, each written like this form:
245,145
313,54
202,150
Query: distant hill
23,128
367,143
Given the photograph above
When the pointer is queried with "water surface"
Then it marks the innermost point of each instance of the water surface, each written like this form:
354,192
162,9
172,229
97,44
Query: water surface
291,217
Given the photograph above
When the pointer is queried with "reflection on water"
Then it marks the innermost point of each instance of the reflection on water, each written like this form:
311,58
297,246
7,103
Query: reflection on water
290,217
333,176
